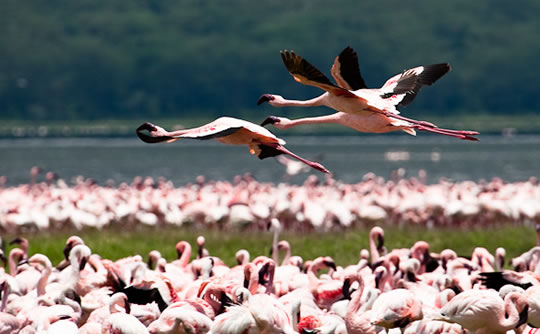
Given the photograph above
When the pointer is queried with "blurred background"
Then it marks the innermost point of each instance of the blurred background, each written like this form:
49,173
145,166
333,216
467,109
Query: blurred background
99,68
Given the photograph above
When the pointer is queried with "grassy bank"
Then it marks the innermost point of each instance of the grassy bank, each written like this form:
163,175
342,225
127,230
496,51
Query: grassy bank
343,246
484,123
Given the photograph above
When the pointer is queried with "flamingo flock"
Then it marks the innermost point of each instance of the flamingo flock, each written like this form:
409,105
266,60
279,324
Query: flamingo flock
247,203
360,108
409,290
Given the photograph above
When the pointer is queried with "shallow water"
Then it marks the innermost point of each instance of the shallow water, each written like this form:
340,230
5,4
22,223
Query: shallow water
349,158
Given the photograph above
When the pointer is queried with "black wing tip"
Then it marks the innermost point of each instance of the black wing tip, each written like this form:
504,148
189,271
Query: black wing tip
350,69
433,72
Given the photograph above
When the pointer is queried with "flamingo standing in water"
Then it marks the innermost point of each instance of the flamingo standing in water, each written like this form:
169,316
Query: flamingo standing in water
227,130
360,108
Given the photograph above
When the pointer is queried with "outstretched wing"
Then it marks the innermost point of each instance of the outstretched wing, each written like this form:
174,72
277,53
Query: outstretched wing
346,70
221,127
423,75
307,74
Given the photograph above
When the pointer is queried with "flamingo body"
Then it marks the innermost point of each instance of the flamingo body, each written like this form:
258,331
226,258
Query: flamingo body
360,108
228,130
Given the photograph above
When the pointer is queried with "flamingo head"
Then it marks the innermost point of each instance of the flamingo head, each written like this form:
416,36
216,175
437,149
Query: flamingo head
265,98
144,132
270,120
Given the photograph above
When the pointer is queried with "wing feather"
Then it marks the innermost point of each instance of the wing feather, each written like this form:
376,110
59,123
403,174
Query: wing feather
307,74
346,70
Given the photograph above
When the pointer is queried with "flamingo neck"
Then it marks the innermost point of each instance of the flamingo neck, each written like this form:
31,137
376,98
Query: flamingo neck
512,302
356,300
314,102
186,255
42,283
326,119
15,255
275,255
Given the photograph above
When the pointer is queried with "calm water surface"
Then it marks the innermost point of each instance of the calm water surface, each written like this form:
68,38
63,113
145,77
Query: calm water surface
349,158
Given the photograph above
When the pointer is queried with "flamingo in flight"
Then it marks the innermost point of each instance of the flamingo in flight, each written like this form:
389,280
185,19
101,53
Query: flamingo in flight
228,130
360,108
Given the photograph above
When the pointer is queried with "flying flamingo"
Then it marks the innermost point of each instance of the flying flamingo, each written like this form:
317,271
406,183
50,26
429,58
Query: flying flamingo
483,311
227,130
360,108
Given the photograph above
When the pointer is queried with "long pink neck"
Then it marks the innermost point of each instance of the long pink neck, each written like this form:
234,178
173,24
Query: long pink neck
510,315
16,254
314,102
287,257
42,283
326,119
356,299
373,246
186,253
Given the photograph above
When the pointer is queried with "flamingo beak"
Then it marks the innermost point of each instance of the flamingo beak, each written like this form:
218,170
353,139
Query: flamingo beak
84,259
16,241
380,243
265,98
67,250
345,289
270,120
3,258
523,316
330,264
202,288
143,133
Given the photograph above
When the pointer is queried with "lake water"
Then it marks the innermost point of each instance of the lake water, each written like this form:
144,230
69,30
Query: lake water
513,158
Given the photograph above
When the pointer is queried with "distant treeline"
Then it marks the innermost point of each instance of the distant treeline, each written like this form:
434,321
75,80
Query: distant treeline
95,59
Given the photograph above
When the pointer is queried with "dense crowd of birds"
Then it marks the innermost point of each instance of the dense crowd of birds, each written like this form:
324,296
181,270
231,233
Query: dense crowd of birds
409,290
247,203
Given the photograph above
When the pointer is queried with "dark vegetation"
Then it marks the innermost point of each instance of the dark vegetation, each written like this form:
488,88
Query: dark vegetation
98,59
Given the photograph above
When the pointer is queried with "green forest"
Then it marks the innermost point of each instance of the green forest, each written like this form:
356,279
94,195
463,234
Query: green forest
101,59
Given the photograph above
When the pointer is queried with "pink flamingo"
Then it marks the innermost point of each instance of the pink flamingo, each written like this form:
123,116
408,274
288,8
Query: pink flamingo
483,311
360,108
357,317
396,308
227,130
325,291
181,320
376,243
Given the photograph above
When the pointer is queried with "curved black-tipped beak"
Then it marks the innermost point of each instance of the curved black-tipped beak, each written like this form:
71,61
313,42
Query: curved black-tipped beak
270,120
523,316
3,259
346,289
22,262
84,259
262,274
264,98
380,243
330,264
67,250
17,241
143,133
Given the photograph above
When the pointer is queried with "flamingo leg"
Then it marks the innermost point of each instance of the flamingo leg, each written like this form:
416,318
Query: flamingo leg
312,164
466,135
430,127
